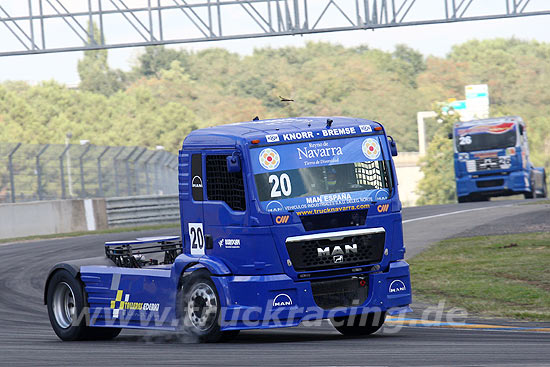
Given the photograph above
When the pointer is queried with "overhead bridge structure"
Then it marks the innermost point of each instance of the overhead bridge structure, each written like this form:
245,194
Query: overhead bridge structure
44,26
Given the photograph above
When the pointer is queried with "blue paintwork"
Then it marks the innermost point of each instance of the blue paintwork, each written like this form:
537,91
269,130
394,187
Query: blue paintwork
520,177
250,276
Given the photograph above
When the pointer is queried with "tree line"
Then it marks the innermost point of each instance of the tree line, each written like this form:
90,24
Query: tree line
170,92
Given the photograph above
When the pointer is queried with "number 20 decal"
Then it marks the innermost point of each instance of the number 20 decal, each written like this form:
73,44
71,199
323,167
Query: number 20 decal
280,184
196,236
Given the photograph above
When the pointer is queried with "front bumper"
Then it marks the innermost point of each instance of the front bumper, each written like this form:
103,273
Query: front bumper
270,301
498,183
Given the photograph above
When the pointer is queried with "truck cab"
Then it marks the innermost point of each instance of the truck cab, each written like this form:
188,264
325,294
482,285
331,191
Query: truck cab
491,158
282,221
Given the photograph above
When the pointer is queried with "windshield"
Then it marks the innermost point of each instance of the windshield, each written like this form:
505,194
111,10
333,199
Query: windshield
497,135
321,174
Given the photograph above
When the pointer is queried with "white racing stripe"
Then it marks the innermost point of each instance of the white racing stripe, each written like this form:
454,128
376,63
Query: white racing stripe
457,212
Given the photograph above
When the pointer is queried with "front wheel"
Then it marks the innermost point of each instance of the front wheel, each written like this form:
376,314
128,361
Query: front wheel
200,308
359,325
544,189
532,194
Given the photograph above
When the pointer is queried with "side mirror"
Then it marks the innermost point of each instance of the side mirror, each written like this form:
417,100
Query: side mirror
521,129
450,136
233,163
393,146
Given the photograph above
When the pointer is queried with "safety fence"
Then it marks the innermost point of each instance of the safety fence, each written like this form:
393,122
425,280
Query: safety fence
142,210
30,172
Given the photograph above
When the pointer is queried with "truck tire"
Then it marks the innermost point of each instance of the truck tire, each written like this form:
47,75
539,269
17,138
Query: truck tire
463,199
66,304
360,325
102,333
533,193
200,314
544,188
68,312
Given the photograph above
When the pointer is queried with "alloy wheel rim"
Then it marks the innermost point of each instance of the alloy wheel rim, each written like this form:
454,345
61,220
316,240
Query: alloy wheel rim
64,306
202,307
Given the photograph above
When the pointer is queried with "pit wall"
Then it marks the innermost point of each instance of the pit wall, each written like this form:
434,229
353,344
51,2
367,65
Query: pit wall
52,217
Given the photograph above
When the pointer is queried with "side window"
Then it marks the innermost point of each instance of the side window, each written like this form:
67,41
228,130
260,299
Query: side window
223,185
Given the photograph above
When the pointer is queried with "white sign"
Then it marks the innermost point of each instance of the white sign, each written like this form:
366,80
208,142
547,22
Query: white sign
477,102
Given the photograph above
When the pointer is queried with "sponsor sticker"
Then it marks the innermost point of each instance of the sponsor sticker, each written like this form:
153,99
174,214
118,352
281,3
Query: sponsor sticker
282,219
495,128
272,138
118,304
339,131
230,243
365,128
269,159
371,148
298,136
382,208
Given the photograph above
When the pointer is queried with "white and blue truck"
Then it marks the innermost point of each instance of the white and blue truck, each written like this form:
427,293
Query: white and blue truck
491,158
282,221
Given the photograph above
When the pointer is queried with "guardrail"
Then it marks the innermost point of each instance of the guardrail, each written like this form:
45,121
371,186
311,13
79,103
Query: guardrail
141,210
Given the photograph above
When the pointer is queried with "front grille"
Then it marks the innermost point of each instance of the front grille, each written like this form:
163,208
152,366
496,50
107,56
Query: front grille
486,164
334,293
489,183
325,253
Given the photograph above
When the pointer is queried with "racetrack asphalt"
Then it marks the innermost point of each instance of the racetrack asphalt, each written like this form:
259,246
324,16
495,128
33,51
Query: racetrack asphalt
26,337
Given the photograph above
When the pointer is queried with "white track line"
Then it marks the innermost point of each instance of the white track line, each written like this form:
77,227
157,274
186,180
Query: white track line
457,212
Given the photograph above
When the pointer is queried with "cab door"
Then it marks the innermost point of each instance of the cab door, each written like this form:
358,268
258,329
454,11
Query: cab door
192,211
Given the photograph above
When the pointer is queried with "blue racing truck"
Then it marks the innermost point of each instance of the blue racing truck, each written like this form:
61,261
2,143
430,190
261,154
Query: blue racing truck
282,221
491,158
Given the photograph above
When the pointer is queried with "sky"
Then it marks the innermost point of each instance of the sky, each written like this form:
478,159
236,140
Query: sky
434,40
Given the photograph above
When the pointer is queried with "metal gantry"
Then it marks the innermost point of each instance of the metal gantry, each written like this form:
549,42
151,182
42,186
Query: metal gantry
44,26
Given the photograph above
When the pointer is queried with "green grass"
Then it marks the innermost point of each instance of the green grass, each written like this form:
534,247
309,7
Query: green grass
503,276
84,233
538,202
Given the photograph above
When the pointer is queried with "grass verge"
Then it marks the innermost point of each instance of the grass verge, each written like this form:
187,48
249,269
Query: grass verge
84,233
537,202
504,276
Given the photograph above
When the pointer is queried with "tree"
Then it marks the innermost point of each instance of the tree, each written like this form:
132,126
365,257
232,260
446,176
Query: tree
157,58
95,74
438,184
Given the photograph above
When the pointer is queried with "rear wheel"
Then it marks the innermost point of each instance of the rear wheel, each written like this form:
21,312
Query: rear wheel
67,310
359,325
200,309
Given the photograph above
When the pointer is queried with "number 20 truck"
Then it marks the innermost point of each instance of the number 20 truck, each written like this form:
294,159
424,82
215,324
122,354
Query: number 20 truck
282,221
492,159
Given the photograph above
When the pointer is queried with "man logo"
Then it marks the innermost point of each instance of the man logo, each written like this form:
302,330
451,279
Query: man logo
282,219
282,300
196,182
337,250
383,208
397,286
338,259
